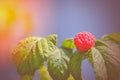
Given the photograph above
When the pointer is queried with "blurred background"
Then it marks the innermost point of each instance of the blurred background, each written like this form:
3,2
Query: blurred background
23,18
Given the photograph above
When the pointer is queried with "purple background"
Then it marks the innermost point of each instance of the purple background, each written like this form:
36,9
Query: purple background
68,17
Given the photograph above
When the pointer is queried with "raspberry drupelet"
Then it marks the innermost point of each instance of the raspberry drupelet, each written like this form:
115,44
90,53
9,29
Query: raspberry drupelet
84,41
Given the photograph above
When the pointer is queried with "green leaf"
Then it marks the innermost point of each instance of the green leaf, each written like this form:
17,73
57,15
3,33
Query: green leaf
24,55
52,38
109,49
68,46
68,43
114,36
112,62
75,65
58,65
113,43
100,43
112,55
98,64
31,53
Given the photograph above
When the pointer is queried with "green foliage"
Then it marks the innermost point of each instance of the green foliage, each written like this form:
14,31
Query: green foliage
98,65
68,43
112,55
109,49
31,53
114,36
59,61
58,65
75,65
63,63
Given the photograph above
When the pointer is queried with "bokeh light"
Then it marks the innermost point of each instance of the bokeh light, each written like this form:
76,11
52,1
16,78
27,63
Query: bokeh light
15,23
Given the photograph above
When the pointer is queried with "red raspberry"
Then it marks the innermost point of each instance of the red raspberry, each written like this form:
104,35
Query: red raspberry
84,41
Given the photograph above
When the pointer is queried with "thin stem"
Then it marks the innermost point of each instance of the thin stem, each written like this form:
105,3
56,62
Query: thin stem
44,75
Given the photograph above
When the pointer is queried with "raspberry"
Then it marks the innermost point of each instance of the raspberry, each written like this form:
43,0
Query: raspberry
84,41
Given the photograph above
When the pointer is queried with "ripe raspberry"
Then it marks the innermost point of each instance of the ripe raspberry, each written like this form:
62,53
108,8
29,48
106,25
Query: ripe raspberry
84,41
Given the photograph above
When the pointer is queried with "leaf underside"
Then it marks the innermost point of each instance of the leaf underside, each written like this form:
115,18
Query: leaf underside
109,56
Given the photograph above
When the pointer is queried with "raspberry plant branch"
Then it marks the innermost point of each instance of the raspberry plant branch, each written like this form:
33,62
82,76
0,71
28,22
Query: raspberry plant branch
33,53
